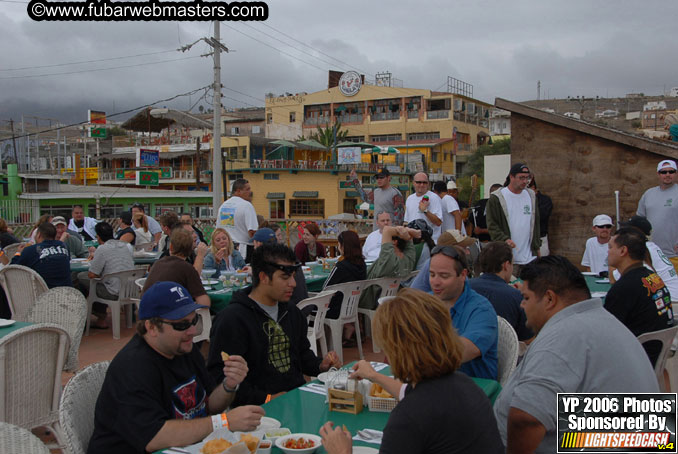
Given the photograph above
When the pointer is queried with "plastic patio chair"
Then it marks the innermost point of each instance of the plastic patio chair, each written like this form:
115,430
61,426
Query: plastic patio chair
11,249
665,336
17,440
389,287
316,333
351,292
31,361
66,307
22,285
507,350
128,296
76,410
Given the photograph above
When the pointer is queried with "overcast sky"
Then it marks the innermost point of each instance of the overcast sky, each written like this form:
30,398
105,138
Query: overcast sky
574,47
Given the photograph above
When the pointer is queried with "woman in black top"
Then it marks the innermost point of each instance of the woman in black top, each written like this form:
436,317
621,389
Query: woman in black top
6,238
126,232
443,411
350,267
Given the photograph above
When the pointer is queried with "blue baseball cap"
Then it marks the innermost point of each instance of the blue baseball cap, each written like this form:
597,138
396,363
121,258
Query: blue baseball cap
167,300
264,235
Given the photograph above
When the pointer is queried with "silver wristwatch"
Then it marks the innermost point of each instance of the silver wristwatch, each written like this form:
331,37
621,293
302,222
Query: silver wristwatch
229,390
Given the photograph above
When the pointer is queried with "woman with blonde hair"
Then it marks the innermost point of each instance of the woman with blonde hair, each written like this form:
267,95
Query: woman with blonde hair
440,410
222,256
140,223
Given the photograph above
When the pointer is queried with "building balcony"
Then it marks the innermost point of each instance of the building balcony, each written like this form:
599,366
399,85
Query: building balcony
412,114
437,114
350,118
383,116
123,176
316,121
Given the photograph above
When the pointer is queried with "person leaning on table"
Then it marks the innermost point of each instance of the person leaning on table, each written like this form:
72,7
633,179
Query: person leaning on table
442,410
157,392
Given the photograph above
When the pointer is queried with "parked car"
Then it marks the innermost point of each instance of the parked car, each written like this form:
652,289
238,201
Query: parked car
609,113
574,115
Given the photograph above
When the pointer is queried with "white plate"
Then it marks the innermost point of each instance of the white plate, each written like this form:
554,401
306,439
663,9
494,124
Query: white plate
589,273
4,322
268,423
603,281
210,281
598,294
364,450
79,260
325,376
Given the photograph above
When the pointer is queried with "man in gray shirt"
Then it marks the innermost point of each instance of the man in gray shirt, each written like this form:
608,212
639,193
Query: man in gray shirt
579,348
660,206
385,197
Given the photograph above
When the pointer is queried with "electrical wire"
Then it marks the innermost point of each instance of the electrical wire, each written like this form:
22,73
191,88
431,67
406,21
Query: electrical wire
88,61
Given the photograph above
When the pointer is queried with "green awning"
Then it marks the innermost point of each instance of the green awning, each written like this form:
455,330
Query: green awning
305,194
352,194
275,195
311,145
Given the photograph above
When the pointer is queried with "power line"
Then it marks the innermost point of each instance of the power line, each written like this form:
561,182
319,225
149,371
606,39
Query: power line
114,114
99,70
88,61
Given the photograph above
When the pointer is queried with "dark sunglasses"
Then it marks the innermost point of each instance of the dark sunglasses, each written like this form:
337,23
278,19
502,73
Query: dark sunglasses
287,269
379,177
664,172
606,226
421,182
185,324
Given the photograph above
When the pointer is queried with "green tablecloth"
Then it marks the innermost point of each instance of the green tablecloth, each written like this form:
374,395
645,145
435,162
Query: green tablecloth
305,412
220,297
5,330
595,286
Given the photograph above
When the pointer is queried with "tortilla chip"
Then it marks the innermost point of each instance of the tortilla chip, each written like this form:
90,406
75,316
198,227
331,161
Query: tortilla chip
216,446
224,356
250,440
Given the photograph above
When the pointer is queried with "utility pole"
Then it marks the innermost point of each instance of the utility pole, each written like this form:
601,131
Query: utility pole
217,188
16,157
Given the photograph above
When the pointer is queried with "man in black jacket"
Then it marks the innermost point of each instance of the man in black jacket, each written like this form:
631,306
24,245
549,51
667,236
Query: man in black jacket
269,333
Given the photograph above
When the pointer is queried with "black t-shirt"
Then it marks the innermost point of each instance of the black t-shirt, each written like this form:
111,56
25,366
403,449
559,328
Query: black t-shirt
121,232
446,415
80,228
478,218
6,239
50,259
641,301
141,391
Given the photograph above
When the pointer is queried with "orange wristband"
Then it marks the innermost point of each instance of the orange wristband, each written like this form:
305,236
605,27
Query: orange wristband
220,421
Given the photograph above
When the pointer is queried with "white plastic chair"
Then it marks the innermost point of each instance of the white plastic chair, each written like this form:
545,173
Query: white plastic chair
11,249
206,325
76,410
665,336
143,247
66,307
128,296
349,314
316,333
22,286
17,440
31,361
507,350
389,287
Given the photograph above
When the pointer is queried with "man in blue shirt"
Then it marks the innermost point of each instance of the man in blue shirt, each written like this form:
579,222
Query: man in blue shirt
496,265
472,314
48,257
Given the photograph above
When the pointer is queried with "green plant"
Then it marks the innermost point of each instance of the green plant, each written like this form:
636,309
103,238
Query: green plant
476,162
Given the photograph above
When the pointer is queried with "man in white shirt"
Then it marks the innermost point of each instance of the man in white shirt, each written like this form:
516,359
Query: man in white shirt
238,216
452,218
82,224
595,254
424,204
512,216
372,245
153,225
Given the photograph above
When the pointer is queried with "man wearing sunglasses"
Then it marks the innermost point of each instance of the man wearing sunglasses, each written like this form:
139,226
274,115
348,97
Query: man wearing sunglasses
386,198
595,254
513,217
473,316
267,331
660,206
157,392
424,204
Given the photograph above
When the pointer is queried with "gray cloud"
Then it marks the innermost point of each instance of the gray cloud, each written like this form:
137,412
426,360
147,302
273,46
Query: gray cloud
576,47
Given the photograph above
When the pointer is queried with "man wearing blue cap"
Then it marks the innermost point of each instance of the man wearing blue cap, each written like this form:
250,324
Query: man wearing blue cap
157,392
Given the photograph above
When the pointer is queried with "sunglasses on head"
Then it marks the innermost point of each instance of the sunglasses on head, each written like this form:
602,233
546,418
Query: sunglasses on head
287,269
449,251
185,324
664,172
605,226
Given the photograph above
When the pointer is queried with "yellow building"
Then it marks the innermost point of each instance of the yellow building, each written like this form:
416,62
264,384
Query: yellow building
424,125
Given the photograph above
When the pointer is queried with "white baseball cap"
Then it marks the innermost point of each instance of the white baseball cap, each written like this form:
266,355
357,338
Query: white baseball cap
602,219
666,163
451,185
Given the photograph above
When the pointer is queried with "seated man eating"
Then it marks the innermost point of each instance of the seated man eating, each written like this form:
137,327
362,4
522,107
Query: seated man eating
269,333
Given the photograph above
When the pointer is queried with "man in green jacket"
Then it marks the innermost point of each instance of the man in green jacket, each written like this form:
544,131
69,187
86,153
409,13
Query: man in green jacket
513,217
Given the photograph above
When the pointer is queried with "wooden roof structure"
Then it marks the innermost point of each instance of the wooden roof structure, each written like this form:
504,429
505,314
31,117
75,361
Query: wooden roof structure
580,165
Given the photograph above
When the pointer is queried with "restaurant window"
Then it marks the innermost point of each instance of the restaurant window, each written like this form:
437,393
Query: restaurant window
276,209
349,205
271,176
424,135
161,208
107,211
302,207
386,137
59,210
200,210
